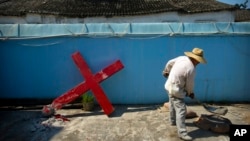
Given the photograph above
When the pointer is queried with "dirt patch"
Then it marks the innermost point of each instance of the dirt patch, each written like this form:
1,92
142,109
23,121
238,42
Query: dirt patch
243,110
246,117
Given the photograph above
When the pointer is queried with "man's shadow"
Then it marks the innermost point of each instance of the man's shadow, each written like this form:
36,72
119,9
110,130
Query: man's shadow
201,133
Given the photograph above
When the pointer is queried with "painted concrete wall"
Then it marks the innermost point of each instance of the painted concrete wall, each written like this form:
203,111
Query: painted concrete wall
43,67
219,16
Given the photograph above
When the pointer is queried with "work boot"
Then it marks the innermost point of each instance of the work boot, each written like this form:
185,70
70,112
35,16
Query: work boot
185,137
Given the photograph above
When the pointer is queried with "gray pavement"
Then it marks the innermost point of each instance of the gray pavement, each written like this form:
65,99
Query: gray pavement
127,123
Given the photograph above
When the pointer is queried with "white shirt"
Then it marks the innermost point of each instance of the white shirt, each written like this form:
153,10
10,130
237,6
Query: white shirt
181,76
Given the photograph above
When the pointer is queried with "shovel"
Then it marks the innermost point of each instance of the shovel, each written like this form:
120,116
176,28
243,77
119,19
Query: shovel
213,109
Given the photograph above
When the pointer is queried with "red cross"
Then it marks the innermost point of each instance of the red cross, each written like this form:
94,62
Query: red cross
91,83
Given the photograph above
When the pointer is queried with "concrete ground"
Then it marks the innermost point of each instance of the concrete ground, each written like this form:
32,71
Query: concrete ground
127,123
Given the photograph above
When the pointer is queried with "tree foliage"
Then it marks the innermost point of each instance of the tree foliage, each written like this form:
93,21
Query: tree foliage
242,5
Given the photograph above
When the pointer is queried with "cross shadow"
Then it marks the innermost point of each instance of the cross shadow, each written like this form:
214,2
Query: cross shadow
95,112
118,112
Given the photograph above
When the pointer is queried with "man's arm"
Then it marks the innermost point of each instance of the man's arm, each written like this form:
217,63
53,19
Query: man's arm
168,67
190,84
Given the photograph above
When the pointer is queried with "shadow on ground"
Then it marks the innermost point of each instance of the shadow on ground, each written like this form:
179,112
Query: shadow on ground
25,125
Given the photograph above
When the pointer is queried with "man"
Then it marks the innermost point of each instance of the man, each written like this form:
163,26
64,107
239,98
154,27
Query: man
180,72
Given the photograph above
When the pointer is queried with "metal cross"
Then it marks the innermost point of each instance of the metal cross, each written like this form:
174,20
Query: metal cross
91,83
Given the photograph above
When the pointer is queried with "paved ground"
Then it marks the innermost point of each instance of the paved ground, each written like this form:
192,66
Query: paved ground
127,123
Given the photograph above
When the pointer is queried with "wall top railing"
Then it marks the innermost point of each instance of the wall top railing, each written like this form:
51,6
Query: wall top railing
20,31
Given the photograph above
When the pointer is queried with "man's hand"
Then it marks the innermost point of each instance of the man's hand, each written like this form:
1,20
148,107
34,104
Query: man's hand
165,74
191,95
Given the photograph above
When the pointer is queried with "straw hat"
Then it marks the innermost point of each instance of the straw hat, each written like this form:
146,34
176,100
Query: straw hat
197,54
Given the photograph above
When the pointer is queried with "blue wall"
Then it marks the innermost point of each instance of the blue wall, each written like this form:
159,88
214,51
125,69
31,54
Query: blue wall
43,67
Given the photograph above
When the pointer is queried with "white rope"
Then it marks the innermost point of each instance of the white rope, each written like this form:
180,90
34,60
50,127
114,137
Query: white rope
222,31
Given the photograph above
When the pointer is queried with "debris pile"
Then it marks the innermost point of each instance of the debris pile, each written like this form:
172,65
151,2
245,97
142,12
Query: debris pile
213,122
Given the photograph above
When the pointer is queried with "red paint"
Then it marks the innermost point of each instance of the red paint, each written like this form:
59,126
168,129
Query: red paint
58,116
91,83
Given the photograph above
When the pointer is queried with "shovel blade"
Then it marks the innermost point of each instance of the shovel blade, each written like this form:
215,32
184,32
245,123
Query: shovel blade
216,109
